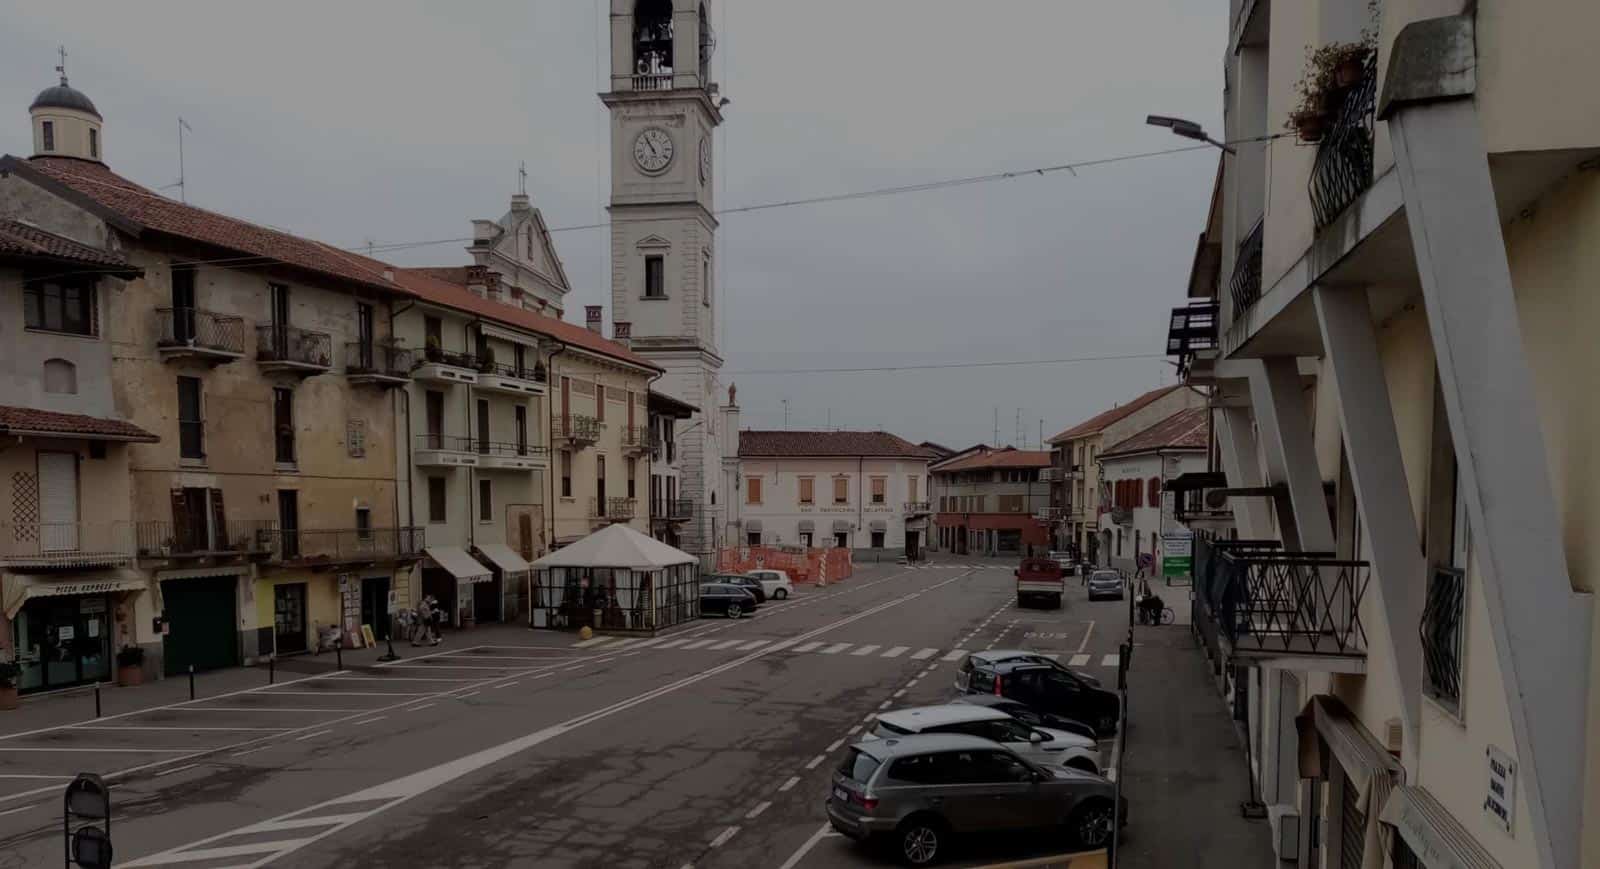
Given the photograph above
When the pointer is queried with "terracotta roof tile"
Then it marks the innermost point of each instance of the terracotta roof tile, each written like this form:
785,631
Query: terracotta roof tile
760,444
1006,458
21,239
1185,429
28,421
1100,421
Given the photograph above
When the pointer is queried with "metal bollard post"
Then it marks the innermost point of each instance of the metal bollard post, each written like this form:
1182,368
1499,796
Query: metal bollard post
97,699
272,669
338,654
191,681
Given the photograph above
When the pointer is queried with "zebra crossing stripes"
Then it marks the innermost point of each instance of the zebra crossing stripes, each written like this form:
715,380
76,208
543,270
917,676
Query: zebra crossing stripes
673,644
896,652
923,654
953,654
854,650
806,647
1110,660
863,651
836,648
1079,660
752,645
697,644
725,644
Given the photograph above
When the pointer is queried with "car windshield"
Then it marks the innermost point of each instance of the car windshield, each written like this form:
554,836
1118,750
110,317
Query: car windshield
858,765
1106,575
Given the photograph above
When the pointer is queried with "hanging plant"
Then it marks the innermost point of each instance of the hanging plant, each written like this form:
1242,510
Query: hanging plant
1330,72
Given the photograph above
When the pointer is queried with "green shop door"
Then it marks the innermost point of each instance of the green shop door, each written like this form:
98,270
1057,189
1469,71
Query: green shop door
201,614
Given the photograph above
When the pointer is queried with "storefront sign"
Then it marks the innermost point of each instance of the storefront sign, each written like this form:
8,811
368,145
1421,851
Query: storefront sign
92,605
1501,800
66,632
102,587
1177,553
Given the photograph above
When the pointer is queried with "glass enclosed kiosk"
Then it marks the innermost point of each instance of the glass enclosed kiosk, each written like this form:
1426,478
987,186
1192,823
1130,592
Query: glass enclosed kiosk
615,580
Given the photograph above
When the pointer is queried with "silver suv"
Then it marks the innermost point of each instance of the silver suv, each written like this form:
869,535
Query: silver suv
915,791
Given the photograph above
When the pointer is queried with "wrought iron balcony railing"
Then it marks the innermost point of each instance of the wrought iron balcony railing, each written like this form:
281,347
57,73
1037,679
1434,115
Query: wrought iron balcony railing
615,509
1344,158
377,358
163,539
1245,286
291,345
452,443
635,438
508,448
344,545
1442,617
913,508
1289,603
486,366
46,545
446,357
192,328
577,428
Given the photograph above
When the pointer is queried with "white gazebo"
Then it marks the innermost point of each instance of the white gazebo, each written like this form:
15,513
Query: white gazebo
616,579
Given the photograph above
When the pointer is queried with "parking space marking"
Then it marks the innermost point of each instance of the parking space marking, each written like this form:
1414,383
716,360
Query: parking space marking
371,720
806,647
591,642
507,684
753,644
1079,660
350,694
650,642
1110,660
466,657
175,770
923,654
173,727
836,648
805,848
814,762
312,735
865,650
854,729
76,748
953,654
438,654
441,666
672,644
1054,656
834,745
793,780
900,693
260,709
411,678
727,834
21,808
22,775
699,643
725,644
756,812
896,652
420,708
468,694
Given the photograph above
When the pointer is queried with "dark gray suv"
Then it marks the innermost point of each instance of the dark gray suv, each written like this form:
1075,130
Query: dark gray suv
915,791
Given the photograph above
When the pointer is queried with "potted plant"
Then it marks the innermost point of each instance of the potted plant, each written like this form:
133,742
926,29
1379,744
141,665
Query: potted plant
130,666
432,349
9,674
486,361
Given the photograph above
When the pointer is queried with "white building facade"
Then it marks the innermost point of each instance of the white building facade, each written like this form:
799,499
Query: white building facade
1134,475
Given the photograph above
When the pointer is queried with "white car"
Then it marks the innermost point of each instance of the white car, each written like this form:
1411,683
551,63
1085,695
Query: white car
1039,744
775,583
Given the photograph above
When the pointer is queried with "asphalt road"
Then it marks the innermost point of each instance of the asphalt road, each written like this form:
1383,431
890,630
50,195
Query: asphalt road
711,747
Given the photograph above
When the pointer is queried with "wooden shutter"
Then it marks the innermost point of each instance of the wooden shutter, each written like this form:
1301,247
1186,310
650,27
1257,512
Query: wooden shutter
600,401
219,526
180,522
566,404
630,410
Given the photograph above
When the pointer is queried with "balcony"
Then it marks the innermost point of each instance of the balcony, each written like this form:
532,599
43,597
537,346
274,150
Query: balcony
917,508
635,440
203,336
506,456
235,538
1267,604
346,545
507,379
1050,514
292,350
1052,475
444,366
65,545
613,509
1343,169
444,451
379,364
1245,286
1122,515
661,81
1192,330
576,430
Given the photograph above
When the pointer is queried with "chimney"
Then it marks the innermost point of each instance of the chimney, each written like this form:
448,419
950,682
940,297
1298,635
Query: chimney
622,333
478,279
491,285
591,316
519,202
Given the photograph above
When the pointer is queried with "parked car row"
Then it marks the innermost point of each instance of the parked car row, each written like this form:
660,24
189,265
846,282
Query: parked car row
737,594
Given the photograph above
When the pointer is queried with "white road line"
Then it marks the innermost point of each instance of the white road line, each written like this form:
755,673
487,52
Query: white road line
441,666
1078,660
651,642
806,647
814,762
1110,660
801,852
233,851
312,735
753,644
836,648
1087,631
419,708
350,694
953,654
913,682
19,808
507,684
672,644
175,770
900,693
468,694
76,748
414,678
793,780
623,641
756,812
252,750
923,654
864,651
138,727
372,720
591,642
896,652
885,704
834,745
438,654
268,709
725,644
723,838
697,644
854,729
1054,656
20,775
466,657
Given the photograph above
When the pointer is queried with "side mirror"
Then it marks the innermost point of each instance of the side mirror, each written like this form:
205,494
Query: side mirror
1035,737
1016,571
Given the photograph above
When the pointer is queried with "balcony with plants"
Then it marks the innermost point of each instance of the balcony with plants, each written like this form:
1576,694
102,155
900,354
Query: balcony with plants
377,363
494,376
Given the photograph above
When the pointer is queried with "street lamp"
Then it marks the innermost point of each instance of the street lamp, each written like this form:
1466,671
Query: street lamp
1186,129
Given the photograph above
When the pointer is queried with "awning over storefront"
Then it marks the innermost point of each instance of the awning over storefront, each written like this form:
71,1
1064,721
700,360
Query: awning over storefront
1326,727
19,588
458,563
807,525
1433,834
503,557
840,525
879,525
752,524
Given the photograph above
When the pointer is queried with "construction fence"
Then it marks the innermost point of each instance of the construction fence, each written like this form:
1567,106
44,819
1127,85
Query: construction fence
802,565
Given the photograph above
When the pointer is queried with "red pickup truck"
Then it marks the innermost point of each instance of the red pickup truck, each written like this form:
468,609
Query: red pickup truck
1039,579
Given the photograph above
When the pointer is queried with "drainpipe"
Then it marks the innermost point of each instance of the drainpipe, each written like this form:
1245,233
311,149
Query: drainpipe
861,496
551,382
404,396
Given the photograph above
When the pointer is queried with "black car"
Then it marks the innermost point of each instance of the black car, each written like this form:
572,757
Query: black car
1049,690
748,583
1028,715
726,599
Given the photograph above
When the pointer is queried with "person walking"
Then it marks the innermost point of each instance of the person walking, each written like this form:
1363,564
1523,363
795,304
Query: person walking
438,620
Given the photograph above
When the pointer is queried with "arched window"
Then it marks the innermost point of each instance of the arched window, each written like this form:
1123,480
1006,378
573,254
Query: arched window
652,37
61,377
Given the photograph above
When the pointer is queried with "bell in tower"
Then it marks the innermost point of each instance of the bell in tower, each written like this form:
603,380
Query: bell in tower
652,37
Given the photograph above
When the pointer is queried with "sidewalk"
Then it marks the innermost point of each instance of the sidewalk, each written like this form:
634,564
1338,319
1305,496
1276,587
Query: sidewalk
76,705
1183,767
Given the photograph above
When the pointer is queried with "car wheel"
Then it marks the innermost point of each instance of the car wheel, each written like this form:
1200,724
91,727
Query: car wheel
781,594
734,611
1091,823
1083,764
918,840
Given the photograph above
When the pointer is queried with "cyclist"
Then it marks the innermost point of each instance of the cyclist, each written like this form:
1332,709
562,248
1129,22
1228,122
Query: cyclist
1150,605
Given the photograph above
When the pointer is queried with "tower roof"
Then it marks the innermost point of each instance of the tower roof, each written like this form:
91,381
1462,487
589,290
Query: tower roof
64,96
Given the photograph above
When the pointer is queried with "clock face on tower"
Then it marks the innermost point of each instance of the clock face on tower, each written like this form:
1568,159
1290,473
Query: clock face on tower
705,160
652,150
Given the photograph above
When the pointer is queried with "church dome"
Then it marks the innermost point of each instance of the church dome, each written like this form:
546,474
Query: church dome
63,96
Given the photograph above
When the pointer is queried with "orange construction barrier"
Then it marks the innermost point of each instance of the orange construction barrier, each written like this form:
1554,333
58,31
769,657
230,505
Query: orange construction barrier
802,565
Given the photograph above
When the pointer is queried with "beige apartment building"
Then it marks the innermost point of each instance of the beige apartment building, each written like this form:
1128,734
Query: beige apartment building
1391,310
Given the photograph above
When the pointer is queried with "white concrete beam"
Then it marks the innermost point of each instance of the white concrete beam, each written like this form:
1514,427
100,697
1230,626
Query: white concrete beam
1241,462
1280,408
1541,624
1378,475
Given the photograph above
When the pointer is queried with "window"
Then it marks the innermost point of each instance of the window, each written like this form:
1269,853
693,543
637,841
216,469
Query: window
808,490
289,522
47,131
436,500
521,414
600,484
600,402
752,488
752,538
911,487
841,490
631,466
283,425
566,473
655,277
363,523
519,358
705,279
880,489
483,426
1155,491
485,501
94,143
60,377
60,304
191,426
1011,503
877,539
432,334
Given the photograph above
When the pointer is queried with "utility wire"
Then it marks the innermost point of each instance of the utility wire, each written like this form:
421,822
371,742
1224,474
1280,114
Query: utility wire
945,365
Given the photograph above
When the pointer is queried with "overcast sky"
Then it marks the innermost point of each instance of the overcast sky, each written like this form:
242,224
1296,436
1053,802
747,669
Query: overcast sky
402,120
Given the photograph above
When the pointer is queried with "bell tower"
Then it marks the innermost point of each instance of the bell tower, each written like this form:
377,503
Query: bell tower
664,112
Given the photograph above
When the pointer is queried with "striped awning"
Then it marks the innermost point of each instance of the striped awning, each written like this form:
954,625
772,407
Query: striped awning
1434,835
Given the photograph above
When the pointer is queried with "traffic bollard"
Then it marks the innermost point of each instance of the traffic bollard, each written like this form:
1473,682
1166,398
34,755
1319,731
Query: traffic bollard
97,700
338,655
272,670
191,681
